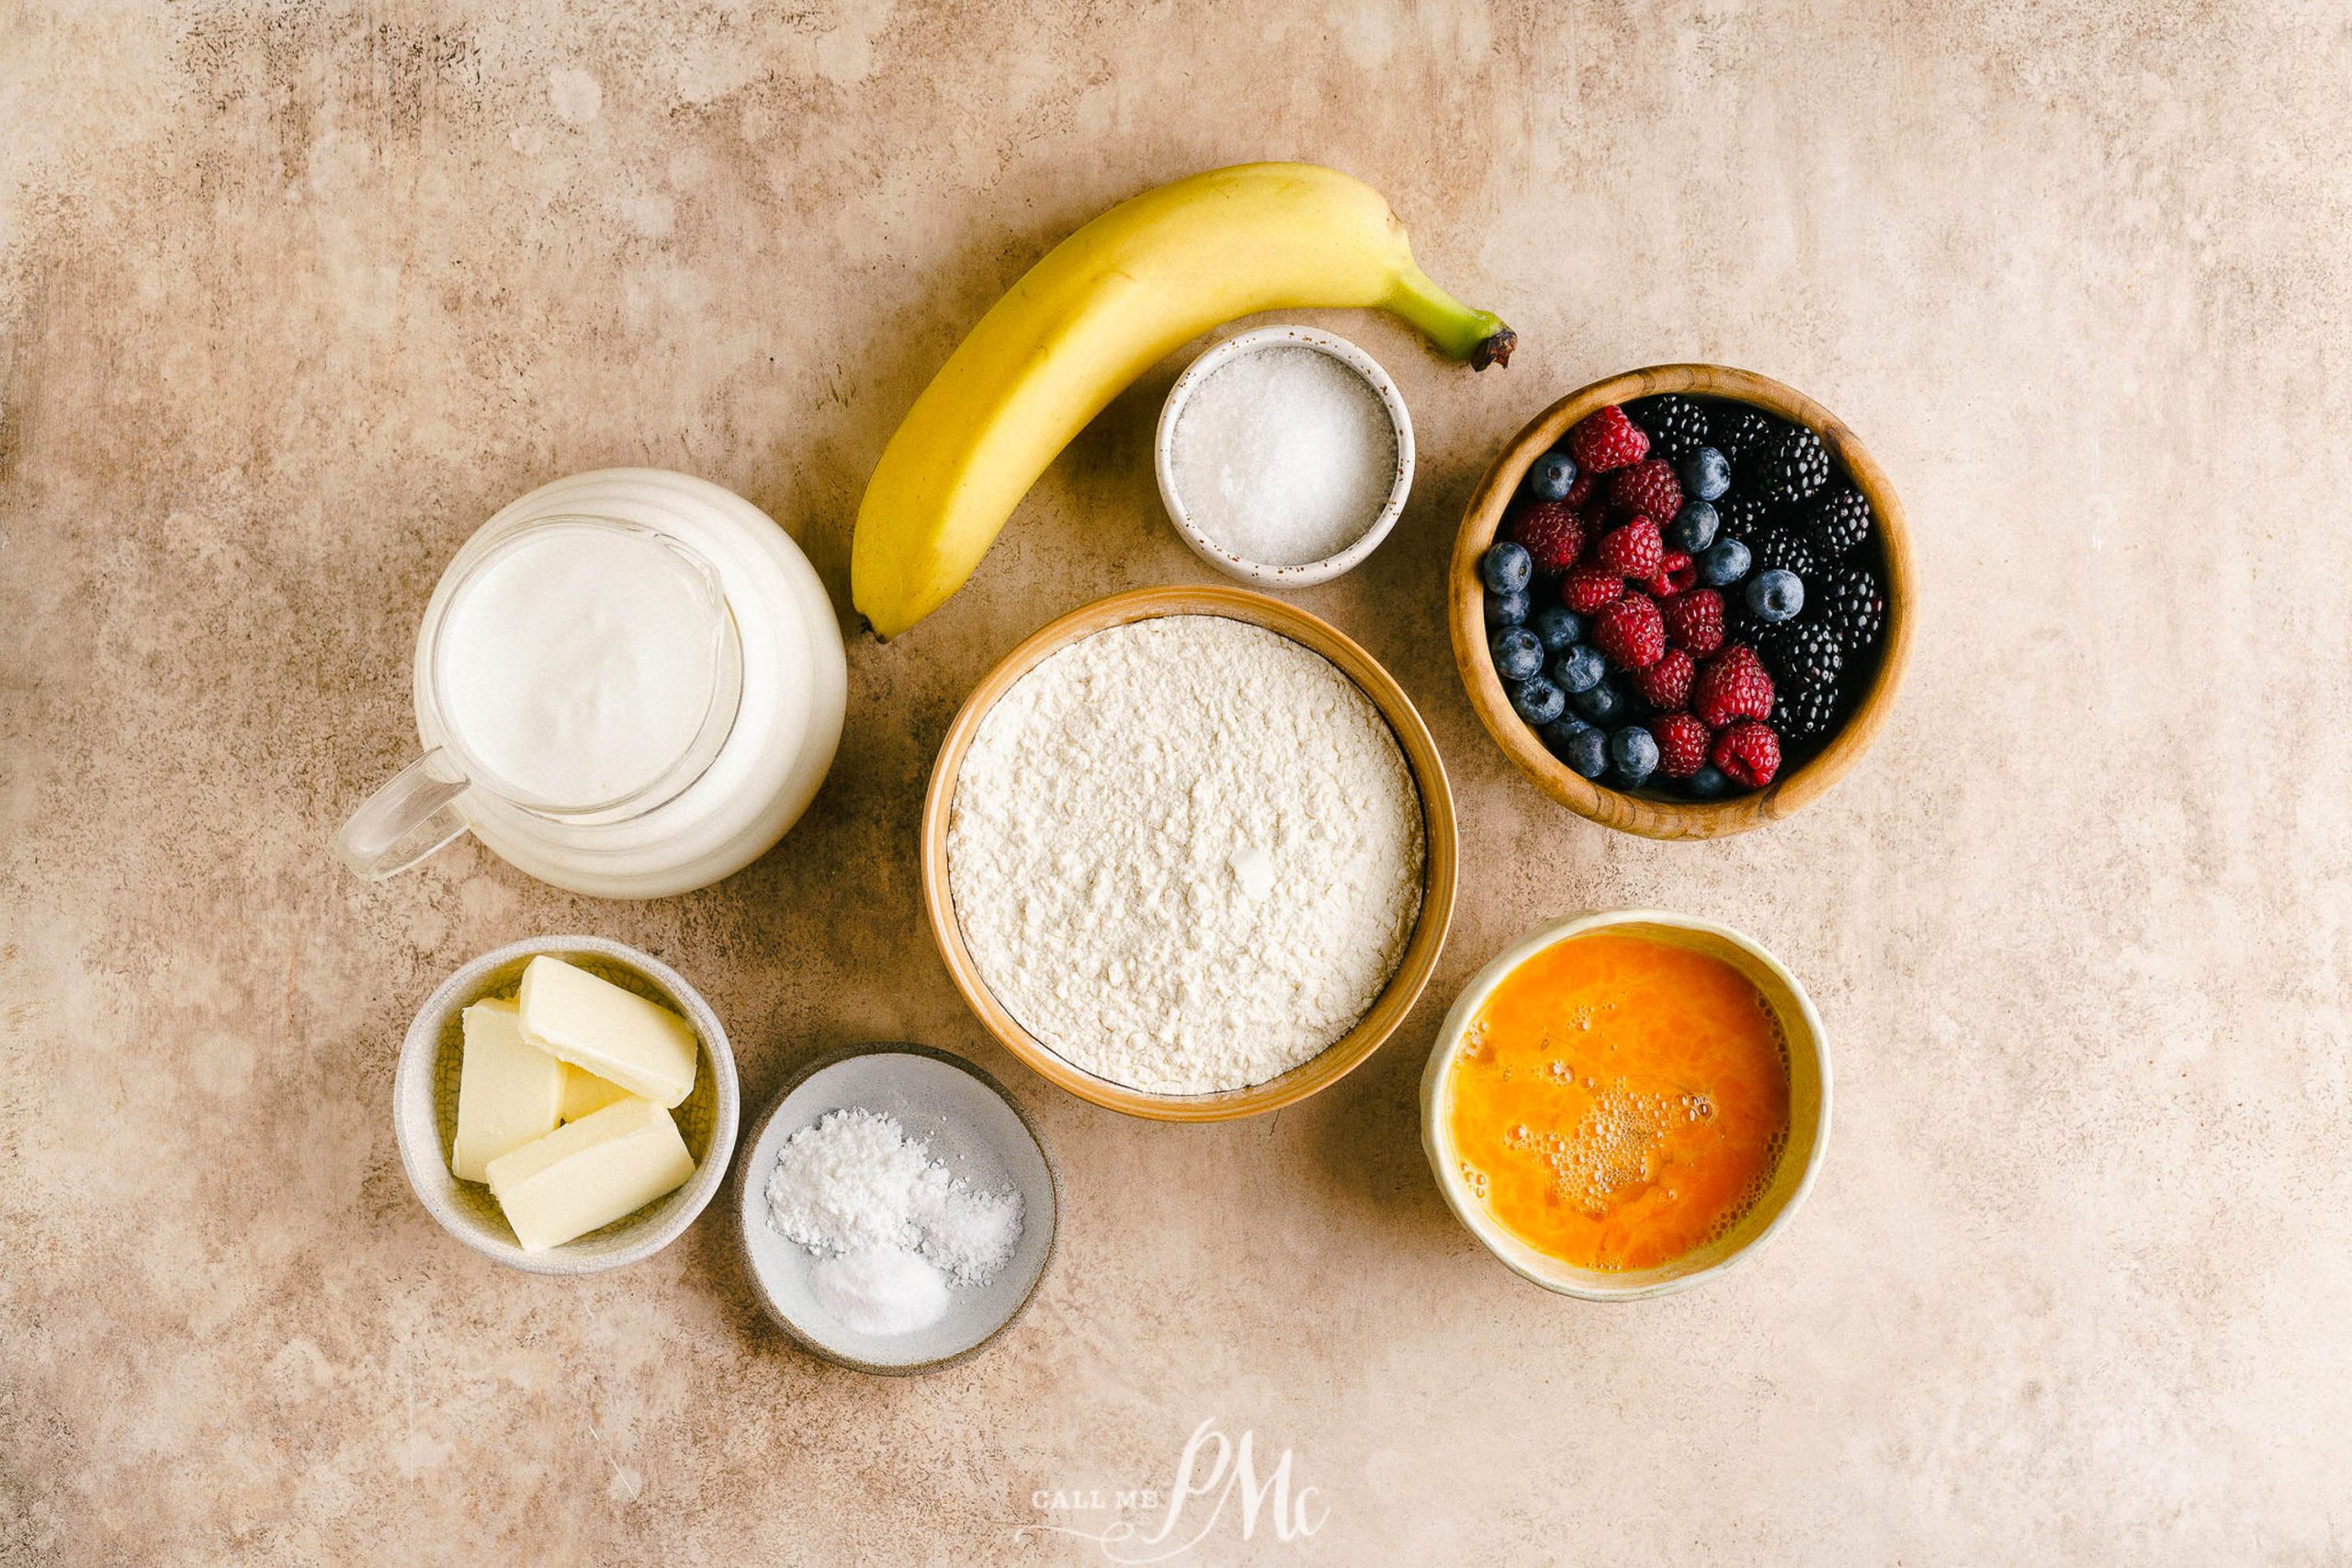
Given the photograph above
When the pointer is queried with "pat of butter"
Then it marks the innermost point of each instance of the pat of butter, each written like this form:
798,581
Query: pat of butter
590,1172
601,1029
509,1091
584,1093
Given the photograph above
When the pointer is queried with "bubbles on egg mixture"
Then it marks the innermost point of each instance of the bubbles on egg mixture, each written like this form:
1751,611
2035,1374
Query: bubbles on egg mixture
1753,1193
1474,1179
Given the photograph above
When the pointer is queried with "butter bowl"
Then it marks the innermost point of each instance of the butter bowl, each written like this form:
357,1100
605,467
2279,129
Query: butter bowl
424,1118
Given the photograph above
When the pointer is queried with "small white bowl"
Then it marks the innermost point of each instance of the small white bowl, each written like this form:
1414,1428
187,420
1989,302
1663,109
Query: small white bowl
425,1107
972,1127
1791,1179
1163,455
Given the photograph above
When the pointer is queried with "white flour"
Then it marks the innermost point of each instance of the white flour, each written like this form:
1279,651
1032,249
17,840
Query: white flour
1185,854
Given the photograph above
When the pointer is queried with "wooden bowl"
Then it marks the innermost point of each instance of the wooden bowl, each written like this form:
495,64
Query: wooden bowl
1421,954
1647,815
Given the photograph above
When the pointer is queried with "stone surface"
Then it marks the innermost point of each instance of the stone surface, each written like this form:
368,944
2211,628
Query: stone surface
296,295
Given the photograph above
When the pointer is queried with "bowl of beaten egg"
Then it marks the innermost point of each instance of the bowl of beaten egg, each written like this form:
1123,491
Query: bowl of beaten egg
1624,1104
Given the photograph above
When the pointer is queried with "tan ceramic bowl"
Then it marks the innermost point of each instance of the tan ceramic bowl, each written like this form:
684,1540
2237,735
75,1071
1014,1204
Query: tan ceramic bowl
1648,815
1438,835
1800,1159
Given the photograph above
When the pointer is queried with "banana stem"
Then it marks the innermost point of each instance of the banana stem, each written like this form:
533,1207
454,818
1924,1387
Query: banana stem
1459,332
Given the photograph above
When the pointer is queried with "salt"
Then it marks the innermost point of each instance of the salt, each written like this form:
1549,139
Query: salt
1284,457
882,1290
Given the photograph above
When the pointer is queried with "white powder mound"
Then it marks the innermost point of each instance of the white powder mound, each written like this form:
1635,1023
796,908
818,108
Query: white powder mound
882,1290
972,1234
848,1182
854,1184
1283,455
1186,853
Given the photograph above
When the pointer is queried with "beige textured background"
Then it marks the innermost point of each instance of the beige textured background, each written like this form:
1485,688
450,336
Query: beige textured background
295,294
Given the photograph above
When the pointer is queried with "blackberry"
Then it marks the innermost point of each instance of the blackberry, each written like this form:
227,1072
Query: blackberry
1674,423
1780,547
1792,468
1836,520
1743,517
1849,601
1802,656
1739,430
1804,713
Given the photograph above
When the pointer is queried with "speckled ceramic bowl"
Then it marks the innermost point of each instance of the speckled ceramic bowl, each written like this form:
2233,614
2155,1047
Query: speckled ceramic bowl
1305,574
974,1128
1800,1161
425,1090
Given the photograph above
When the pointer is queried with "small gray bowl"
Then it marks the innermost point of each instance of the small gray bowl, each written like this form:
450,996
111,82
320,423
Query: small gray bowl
974,1128
424,1109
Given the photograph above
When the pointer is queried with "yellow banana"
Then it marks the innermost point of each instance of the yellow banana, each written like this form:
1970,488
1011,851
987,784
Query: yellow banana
1102,308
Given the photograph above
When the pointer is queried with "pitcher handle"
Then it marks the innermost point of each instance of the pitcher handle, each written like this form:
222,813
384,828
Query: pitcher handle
412,815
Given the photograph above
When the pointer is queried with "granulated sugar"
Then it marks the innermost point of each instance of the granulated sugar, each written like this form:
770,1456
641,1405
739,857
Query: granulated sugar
1283,455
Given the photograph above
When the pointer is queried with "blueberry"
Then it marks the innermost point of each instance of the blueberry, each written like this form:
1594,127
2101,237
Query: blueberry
1549,477
1587,752
1581,668
1724,563
1633,756
1707,782
1776,595
1506,609
1506,567
1694,527
1561,733
1537,700
1556,625
1706,473
1517,653
1601,702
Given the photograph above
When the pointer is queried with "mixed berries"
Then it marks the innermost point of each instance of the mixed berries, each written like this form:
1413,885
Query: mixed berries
1685,596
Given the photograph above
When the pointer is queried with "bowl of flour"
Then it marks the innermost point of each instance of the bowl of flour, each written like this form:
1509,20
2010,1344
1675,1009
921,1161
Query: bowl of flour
1189,853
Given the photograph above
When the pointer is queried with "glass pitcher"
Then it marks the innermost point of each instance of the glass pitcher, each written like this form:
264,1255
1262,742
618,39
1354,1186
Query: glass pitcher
424,806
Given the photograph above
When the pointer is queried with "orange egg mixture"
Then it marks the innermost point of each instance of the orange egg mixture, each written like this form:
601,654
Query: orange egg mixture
1619,1101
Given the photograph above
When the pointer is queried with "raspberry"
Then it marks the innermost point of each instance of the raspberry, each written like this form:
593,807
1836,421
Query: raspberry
1634,549
1748,753
1631,632
1676,571
1589,588
1648,487
1681,744
1551,532
1607,440
1694,621
1734,685
1667,684
1580,493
